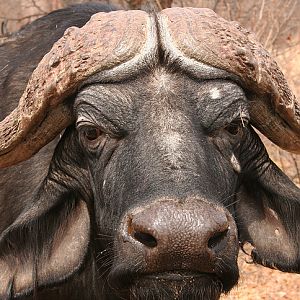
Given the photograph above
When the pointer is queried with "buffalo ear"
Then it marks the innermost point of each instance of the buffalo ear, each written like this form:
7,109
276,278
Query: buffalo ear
268,216
49,240
41,253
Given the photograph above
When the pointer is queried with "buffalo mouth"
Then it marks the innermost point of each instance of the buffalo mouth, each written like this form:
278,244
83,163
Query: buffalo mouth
177,285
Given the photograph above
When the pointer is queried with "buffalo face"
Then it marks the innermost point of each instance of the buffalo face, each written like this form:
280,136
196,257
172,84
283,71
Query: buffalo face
158,138
159,175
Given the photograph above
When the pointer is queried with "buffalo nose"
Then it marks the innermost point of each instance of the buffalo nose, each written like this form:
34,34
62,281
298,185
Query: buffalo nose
189,234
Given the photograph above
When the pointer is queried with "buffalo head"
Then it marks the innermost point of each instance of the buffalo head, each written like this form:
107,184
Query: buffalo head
159,174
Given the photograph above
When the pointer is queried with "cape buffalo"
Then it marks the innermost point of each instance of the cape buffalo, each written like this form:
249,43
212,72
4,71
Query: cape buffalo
130,167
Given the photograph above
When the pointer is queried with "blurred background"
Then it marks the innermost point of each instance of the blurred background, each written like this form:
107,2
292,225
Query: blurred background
276,24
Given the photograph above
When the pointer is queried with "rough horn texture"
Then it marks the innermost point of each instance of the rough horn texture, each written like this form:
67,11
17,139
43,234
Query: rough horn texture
121,43
105,42
207,38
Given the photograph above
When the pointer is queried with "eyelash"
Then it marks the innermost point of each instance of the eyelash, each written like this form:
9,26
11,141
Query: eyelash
233,128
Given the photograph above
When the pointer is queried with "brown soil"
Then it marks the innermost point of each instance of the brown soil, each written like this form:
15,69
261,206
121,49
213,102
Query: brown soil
260,283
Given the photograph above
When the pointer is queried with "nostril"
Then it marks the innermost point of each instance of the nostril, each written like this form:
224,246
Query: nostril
145,238
136,230
218,241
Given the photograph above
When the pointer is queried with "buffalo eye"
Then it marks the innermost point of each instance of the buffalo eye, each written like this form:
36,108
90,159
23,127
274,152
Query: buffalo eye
90,136
235,128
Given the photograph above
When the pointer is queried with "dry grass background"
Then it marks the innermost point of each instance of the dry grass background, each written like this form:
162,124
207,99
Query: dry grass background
277,25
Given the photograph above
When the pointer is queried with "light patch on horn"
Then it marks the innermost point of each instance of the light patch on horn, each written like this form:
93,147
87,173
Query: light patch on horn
235,163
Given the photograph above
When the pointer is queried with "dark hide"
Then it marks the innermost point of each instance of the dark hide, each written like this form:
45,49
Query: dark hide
16,195
161,135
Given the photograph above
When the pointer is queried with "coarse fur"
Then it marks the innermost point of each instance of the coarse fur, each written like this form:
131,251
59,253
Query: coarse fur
161,135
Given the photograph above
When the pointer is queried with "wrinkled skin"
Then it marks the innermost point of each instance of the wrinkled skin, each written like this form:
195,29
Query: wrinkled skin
159,146
157,140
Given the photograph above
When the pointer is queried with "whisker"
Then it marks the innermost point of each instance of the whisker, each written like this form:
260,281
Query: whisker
231,204
105,235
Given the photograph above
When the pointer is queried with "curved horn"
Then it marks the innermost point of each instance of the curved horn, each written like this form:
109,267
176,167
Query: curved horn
112,42
211,40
